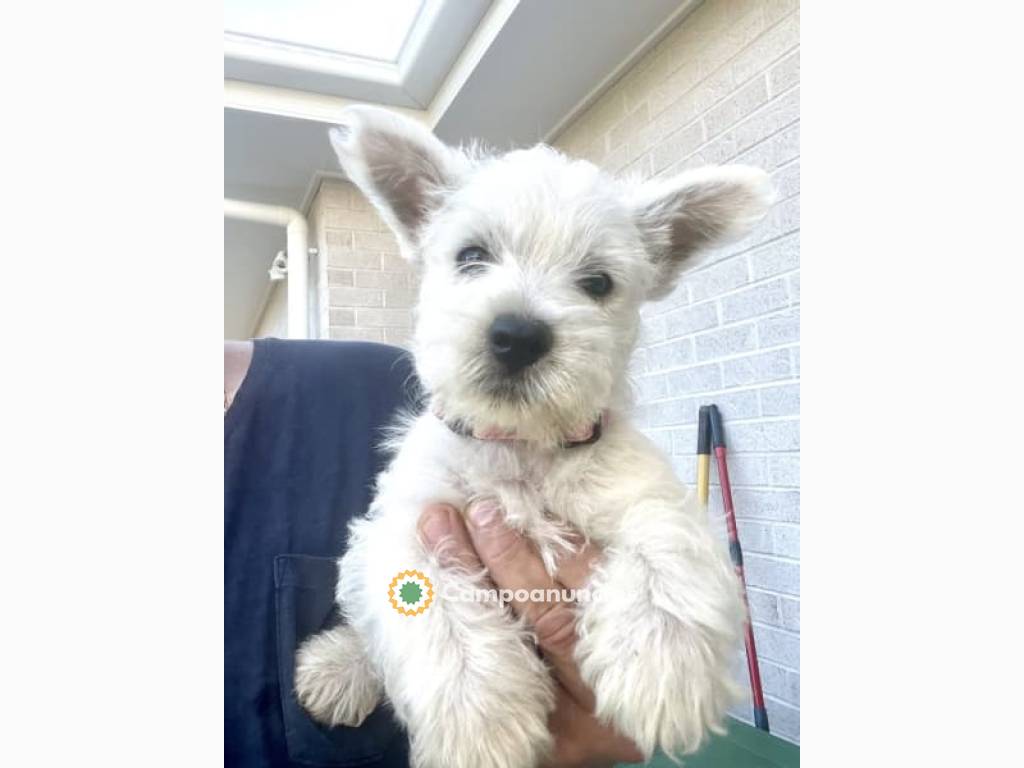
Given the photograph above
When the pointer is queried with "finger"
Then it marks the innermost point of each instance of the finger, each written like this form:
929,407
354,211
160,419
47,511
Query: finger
581,740
574,570
442,532
510,559
515,566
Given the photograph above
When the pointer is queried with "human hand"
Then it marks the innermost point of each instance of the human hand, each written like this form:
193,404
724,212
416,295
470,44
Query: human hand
581,740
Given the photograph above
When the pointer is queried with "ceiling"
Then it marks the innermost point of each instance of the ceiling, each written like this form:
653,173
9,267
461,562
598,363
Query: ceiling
508,72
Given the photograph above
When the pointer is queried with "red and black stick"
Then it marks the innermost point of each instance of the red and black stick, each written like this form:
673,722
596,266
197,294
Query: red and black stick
736,553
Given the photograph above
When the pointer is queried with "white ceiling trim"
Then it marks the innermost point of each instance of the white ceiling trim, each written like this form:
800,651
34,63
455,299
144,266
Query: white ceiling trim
288,102
434,42
322,107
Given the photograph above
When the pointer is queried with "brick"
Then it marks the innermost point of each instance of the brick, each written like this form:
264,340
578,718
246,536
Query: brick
778,9
785,74
764,606
336,194
678,145
780,401
772,117
393,262
651,388
772,45
782,683
357,334
765,366
684,441
399,297
777,645
356,297
699,378
347,258
653,330
672,354
400,337
781,328
686,320
638,363
795,357
786,541
786,181
732,405
679,295
763,437
342,317
755,536
784,719
684,108
775,151
340,277
789,612
720,277
745,469
740,104
338,238
629,125
727,341
342,218
782,255
754,301
793,284
666,413
783,471
779,505
772,573
376,279
783,218
384,318
738,31
375,241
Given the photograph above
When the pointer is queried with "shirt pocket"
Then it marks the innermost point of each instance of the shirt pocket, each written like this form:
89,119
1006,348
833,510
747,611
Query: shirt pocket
304,587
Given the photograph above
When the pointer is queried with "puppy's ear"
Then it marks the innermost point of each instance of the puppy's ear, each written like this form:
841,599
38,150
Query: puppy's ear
401,167
679,216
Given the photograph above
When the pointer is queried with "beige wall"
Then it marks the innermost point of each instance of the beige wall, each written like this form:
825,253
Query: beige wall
723,87
366,290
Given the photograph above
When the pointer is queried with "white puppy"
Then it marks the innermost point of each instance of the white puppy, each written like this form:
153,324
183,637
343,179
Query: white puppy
534,267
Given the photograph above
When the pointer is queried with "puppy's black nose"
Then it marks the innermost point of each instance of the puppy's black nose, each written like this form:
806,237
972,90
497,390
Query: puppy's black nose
518,341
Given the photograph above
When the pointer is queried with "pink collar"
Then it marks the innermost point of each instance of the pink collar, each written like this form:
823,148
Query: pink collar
587,434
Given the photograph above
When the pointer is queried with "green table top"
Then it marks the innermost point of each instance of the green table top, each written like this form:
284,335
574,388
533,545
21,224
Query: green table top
743,746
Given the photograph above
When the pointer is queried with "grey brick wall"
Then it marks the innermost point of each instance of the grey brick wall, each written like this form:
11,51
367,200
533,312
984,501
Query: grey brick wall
723,87
365,289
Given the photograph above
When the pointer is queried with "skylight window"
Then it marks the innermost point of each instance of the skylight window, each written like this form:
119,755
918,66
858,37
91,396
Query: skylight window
371,30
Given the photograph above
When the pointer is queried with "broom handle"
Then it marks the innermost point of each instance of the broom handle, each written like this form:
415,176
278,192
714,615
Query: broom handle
703,455
736,555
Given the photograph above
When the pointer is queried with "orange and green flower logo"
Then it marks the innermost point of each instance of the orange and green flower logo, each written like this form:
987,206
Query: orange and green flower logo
410,593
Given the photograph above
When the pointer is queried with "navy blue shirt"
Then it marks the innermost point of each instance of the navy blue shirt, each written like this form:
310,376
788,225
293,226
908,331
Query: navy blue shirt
300,457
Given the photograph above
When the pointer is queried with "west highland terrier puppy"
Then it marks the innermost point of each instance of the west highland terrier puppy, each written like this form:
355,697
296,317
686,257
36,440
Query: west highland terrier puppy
534,268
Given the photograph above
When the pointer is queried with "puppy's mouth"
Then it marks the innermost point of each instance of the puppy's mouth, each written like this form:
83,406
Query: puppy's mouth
519,388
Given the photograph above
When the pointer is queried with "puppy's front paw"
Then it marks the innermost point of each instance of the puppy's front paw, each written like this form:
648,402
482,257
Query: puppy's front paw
658,658
333,678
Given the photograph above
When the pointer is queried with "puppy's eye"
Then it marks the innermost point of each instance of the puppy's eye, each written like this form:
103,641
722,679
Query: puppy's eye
598,286
471,260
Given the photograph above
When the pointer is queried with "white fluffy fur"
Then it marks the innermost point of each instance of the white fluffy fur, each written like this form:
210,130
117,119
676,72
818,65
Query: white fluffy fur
464,677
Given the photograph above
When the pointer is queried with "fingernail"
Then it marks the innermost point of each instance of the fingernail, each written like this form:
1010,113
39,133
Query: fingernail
435,525
483,513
